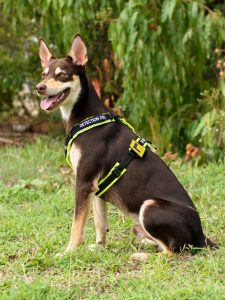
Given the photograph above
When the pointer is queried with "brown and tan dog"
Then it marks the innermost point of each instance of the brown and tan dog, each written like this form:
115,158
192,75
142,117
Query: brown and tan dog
149,191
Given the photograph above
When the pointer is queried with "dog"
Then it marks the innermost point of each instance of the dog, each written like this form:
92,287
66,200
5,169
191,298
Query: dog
148,191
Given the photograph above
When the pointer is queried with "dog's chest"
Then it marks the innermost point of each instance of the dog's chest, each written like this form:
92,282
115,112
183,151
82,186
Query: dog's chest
75,156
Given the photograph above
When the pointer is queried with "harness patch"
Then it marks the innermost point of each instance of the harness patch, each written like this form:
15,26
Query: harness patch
137,148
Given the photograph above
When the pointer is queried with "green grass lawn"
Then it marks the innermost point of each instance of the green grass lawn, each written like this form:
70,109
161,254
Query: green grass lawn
36,205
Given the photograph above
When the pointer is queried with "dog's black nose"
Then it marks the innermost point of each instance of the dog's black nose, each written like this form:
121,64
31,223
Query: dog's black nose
40,88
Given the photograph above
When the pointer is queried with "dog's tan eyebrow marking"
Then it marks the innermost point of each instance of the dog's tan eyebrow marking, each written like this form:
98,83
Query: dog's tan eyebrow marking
45,72
58,71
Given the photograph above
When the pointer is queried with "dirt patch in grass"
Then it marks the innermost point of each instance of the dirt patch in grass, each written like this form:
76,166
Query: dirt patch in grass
17,130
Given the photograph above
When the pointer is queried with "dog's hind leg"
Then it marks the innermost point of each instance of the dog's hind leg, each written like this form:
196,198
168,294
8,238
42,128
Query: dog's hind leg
149,220
100,218
172,225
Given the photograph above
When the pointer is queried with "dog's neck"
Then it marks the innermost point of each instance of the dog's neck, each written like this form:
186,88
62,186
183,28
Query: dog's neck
85,103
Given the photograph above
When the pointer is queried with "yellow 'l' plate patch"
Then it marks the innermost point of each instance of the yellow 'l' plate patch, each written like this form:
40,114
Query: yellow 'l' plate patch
138,148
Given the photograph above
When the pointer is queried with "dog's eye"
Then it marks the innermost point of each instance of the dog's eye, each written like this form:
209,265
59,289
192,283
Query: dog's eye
43,75
62,75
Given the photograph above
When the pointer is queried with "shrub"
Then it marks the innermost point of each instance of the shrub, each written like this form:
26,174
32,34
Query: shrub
159,60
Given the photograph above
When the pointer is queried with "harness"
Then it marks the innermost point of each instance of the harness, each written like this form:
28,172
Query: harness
137,147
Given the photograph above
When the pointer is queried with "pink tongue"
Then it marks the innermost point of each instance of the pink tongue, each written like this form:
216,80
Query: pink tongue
46,103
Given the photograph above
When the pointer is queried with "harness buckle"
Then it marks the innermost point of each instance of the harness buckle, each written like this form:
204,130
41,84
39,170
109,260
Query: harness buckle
117,171
138,148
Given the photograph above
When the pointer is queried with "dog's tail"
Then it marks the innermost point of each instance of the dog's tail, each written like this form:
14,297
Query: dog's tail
210,244
204,242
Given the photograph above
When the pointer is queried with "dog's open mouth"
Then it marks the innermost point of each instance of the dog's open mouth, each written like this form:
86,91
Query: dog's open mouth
53,101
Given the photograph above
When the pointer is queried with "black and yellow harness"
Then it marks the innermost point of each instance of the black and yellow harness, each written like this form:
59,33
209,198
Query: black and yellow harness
137,147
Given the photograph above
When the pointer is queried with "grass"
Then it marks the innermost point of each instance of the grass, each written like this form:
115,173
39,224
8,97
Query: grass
36,205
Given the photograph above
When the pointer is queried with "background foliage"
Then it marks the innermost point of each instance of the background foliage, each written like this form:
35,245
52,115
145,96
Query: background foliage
156,57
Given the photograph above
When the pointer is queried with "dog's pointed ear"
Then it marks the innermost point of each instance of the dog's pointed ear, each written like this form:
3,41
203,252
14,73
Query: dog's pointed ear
78,51
44,53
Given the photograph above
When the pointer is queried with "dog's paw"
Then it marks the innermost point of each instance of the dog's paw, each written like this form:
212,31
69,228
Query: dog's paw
60,254
166,253
70,250
139,256
67,251
95,246
146,241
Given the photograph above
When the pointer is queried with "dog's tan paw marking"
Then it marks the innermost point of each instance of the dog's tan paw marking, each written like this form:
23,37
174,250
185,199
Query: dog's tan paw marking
67,251
166,252
140,257
70,249
60,254
94,247
146,241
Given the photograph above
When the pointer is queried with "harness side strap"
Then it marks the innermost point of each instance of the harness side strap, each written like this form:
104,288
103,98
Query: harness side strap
114,174
137,149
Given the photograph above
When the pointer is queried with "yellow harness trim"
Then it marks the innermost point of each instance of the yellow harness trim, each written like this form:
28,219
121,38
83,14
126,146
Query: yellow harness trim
112,182
78,133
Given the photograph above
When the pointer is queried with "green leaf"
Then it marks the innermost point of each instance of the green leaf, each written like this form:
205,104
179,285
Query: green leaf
188,35
135,3
168,8
222,85
204,122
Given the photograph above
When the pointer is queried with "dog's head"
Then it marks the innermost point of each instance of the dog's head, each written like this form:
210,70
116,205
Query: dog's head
60,82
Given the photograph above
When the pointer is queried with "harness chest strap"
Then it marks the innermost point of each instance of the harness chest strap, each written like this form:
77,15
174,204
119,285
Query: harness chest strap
83,126
137,147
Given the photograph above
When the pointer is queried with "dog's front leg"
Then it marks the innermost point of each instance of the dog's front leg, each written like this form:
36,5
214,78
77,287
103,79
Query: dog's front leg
83,199
100,217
